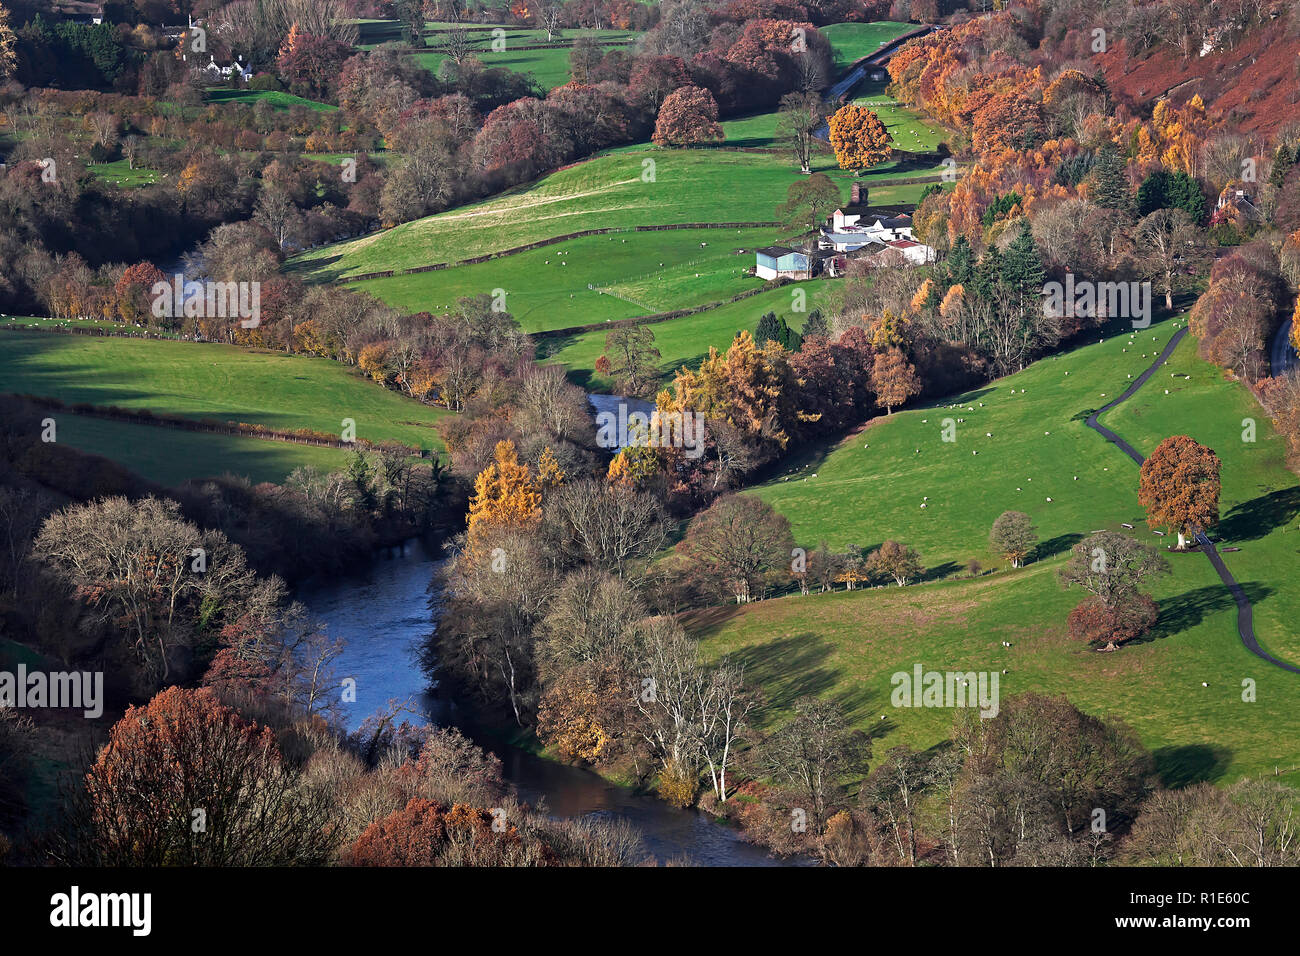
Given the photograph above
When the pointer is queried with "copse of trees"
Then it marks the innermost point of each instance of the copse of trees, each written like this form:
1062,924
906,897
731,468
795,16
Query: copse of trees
1019,788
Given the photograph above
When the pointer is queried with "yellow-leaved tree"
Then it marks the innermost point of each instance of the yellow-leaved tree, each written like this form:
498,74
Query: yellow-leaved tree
506,496
859,138
8,45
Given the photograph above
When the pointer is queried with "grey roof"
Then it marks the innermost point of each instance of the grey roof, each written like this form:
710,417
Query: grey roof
776,252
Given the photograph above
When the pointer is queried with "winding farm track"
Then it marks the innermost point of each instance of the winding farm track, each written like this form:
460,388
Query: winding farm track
1245,613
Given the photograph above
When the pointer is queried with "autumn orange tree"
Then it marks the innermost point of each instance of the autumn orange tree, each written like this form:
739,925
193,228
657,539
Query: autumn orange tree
134,289
506,496
425,833
894,378
748,386
688,115
1179,487
186,781
858,137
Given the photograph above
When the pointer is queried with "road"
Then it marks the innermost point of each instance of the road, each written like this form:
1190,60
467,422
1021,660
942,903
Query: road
856,71
1245,613
1284,357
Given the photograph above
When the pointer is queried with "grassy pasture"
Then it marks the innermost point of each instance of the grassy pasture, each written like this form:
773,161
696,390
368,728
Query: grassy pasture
549,67
687,186
170,456
120,173
280,100
1038,444
852,41
847,645
637,273
211,381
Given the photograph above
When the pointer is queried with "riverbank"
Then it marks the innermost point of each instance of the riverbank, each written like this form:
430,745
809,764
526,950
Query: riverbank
385,615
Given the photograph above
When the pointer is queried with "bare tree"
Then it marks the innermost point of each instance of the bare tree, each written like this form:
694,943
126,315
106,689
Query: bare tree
811,752
276,213
609,526
131,146
724,709
1172,247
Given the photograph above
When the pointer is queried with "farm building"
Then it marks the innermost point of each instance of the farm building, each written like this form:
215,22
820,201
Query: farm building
775,262
911,252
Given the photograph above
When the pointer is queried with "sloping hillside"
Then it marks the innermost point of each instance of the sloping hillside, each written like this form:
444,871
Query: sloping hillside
1255,84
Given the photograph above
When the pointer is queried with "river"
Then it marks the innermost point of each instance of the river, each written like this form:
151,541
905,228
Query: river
385,614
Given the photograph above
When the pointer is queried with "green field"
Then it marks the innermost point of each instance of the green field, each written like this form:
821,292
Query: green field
846,645
852,41
170,456
120,173
686,341
1039,444
595,278
211,381
549,67
687,186
280,100
909,131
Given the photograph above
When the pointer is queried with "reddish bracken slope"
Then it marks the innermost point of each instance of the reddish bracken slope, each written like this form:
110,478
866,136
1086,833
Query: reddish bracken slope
1255,85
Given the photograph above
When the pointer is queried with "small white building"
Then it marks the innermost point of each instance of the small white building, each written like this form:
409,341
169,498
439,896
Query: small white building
912,252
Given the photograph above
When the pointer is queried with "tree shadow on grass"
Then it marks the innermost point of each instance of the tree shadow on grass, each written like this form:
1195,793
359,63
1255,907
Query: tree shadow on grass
1058,545
787,669
1256,518
939,572
1190,764
791,668
1185,611
706,621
